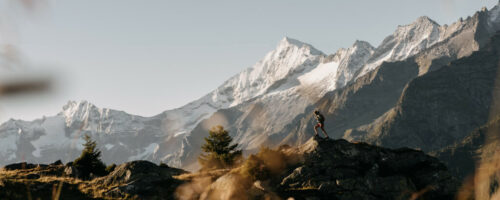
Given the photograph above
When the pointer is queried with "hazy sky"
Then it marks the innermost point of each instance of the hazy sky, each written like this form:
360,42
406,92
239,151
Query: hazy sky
148,56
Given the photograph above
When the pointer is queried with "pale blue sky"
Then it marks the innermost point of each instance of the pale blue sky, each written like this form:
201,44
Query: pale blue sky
148,56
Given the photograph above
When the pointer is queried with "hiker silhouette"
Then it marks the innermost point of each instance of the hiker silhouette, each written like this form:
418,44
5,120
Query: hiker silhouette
321,123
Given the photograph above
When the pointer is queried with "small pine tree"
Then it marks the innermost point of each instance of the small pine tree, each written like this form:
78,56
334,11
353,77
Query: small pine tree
89,161
219,151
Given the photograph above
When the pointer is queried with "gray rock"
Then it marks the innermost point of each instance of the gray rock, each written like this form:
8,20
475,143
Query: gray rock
142,178
72,171
337,169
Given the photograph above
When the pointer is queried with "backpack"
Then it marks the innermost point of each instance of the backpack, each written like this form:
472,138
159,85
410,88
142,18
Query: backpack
320,118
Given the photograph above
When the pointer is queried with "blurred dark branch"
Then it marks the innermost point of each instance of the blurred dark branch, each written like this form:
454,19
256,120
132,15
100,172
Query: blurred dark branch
24,83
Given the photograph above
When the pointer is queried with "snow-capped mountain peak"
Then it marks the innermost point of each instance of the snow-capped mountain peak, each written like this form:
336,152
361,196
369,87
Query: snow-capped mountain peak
289,58
411,38
424,21
406,41
422,26
73,107
80,110
287,43
362,44
290,41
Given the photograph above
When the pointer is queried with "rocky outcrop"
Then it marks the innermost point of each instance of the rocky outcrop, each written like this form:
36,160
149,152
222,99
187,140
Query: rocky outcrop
142,179
336,169
40,182
132,180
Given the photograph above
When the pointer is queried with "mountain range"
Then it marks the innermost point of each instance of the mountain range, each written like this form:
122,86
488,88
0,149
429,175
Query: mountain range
421,88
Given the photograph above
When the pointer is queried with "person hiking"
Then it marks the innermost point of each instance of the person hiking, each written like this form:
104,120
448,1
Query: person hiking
321,123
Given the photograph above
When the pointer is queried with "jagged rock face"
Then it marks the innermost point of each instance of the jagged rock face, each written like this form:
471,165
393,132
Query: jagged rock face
406,41
443,106
357,104
356,57
460,39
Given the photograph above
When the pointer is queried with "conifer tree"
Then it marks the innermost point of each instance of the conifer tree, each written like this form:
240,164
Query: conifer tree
219,152
90,161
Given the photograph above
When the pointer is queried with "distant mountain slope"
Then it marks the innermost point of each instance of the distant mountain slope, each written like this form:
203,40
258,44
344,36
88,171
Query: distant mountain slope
120,135
463,157
443,106
291,57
